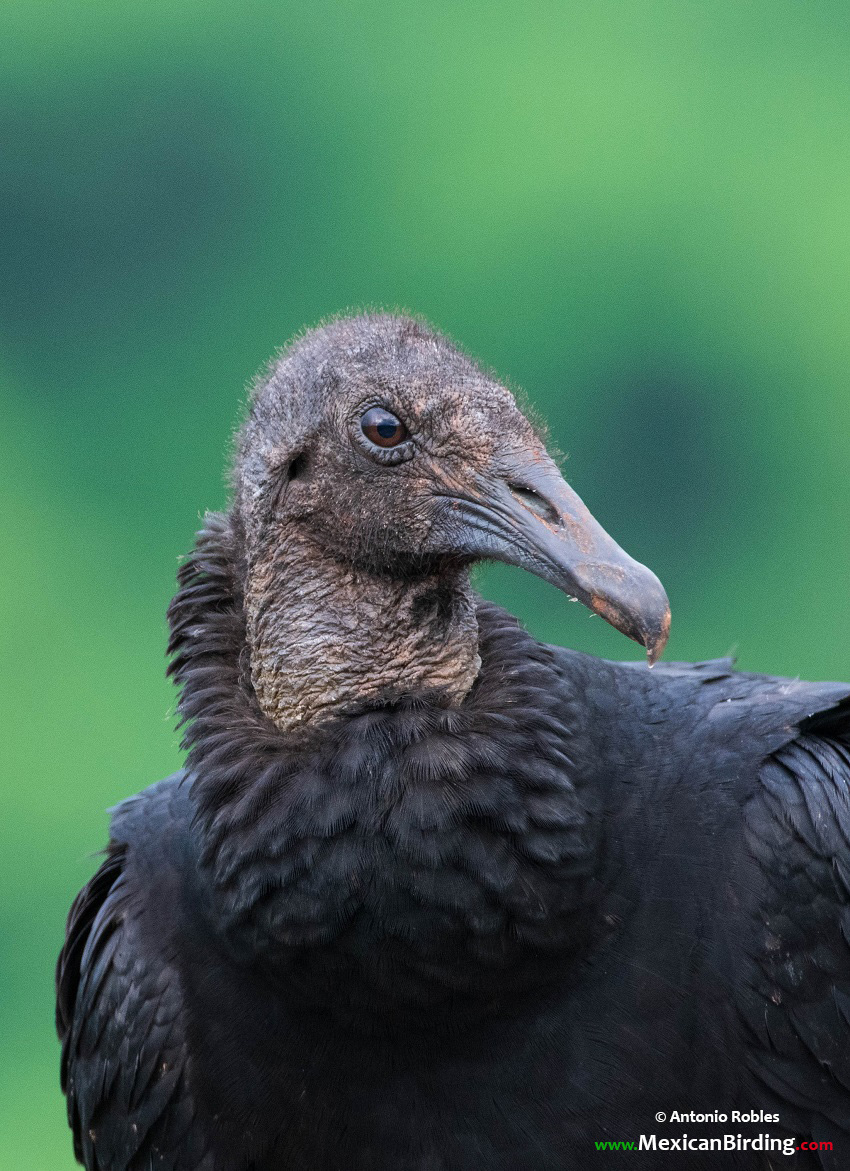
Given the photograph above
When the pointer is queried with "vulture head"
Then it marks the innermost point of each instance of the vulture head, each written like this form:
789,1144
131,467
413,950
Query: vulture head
376,465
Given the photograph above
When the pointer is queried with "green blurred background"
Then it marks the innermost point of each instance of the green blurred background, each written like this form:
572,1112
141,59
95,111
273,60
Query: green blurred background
637,210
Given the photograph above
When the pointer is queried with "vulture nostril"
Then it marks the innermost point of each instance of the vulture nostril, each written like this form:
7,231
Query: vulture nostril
536,503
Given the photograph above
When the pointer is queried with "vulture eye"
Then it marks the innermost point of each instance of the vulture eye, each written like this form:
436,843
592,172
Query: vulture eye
382,428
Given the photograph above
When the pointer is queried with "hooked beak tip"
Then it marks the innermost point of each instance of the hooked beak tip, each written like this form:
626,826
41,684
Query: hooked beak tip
650,630
656,643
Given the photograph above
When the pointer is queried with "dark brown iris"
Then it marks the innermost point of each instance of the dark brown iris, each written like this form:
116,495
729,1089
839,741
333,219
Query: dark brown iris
382,428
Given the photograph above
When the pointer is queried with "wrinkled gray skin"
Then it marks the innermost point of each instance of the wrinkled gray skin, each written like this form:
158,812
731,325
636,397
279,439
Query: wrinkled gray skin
331,622
356,559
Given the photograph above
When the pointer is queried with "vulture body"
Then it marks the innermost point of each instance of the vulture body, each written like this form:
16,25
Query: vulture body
479,920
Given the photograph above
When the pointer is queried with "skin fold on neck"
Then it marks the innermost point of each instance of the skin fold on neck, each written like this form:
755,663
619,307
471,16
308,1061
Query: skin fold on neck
325,637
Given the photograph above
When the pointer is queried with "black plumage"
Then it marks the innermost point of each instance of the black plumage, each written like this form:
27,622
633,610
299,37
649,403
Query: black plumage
431,933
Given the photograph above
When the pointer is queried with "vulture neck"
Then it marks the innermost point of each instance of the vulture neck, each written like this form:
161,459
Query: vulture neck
411,855
326,638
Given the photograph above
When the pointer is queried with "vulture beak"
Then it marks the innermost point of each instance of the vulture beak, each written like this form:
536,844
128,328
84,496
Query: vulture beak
529,516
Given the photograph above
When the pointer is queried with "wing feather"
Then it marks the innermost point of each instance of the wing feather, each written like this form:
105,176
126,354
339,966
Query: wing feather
798,1003
125,1064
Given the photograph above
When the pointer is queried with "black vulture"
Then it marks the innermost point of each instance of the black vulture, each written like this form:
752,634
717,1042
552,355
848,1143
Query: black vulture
430,895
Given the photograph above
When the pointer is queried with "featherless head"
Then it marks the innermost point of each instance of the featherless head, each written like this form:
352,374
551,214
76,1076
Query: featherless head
387,449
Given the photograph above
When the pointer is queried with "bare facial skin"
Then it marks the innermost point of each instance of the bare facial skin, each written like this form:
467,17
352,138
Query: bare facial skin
356,550
335,618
